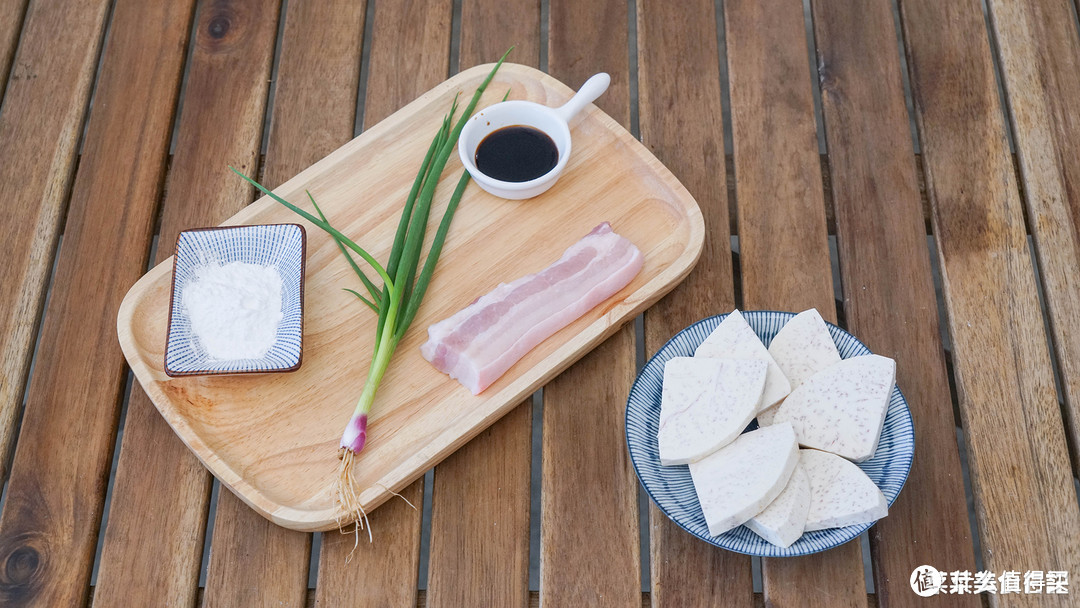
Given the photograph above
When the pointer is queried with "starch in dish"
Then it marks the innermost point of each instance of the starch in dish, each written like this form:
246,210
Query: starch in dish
516,154
234,309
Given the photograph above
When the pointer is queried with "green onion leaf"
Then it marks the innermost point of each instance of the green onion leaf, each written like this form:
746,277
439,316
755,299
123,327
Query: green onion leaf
414,240
375,295
424,279
325,226
370,304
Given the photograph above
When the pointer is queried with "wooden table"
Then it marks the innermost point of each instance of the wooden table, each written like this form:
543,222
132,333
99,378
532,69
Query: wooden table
118,117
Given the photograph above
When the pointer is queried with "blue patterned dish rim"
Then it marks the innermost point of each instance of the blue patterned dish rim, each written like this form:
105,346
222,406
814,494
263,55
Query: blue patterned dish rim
671,487
281,245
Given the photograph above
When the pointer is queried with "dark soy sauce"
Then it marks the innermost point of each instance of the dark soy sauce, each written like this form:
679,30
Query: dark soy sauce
516,154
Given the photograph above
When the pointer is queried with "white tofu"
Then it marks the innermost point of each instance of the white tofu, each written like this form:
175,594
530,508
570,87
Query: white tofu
842,408
768,415
840,493
735,339
705,404
740,479
782,522
804,347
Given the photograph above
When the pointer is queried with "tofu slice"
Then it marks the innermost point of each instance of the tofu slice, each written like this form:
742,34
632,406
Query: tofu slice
840,493
804,347
735,339
842,408
782,522
740,479
705,404
767,416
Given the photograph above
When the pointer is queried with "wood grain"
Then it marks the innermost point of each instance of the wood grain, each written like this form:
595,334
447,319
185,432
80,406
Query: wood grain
889,297
589,521
589,37
11,22
783,239
480,518
42,116
384,572
680,113
315,92
252,561
589,540
480,497
1026,504
1040,57
489,27
830,219
56,492
410,53
161,489
316,88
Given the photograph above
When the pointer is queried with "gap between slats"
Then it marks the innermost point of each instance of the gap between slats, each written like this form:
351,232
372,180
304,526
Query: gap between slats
639,321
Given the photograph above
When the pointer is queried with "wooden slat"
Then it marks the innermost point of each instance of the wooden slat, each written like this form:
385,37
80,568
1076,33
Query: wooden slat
382,572
161,491
830,219
40,125
586,38
255,562
589,540
480,498
783,240
57,489
409,54
1026,504
11,21
888,287
480,518
1040,60
680,114
489,27
156,471
410,39
317,85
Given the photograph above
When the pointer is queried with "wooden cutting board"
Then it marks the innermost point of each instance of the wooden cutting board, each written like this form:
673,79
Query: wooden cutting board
273,438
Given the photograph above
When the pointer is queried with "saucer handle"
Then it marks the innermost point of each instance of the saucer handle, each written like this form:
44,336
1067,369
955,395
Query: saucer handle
593,88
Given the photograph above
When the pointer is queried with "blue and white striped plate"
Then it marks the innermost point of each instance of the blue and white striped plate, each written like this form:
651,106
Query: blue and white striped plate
280,245
671,487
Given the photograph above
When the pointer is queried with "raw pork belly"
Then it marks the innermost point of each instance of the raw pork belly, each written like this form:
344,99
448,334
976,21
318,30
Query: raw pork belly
479,343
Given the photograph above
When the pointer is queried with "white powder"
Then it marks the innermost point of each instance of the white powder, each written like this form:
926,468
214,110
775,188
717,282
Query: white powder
234,309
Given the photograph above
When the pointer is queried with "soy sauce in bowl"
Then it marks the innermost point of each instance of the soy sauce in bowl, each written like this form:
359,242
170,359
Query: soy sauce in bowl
516,154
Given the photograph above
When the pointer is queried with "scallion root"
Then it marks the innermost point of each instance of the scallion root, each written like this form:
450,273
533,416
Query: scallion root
349,501
396,494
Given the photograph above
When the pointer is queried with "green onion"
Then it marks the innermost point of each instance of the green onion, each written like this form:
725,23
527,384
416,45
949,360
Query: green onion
405,281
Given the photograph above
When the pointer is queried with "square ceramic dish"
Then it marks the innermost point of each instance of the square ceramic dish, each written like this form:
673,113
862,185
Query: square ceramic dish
279,245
